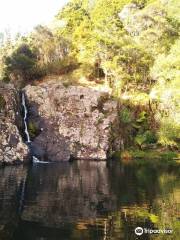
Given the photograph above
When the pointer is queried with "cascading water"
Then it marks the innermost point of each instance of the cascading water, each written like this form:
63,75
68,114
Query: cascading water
35,159
25,118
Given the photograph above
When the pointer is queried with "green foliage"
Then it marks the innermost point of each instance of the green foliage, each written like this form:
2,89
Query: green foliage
140,139
98,37
136,55
166,71
169,132
141,117
168,155
148,137
126,115
20,63
153,156
49,47
33,129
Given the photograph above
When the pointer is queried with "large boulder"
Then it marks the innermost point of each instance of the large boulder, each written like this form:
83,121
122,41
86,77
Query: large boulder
12,148
71,122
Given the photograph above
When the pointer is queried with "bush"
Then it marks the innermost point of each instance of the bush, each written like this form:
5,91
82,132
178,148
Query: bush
169,132
20,63
147,137
126,116
140,139
150,137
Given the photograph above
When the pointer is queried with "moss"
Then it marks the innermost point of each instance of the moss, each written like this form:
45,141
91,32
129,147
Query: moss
33,129
67,84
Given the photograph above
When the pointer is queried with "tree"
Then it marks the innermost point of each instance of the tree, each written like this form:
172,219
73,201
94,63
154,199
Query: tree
20,64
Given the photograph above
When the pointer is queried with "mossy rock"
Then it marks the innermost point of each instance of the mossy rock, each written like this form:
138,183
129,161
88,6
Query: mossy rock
67,84
33,129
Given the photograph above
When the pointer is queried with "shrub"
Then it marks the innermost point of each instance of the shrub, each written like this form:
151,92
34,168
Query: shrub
150,137
20,63
140,139
169,132
126,116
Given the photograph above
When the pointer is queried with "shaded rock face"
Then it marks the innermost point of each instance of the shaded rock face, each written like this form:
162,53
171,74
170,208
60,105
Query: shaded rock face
12,148
72,122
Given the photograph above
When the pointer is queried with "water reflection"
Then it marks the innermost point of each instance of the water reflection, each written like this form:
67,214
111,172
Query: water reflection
12,185
88,200
67,193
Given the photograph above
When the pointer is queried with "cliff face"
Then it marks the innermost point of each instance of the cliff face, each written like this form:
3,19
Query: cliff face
71,122
12,148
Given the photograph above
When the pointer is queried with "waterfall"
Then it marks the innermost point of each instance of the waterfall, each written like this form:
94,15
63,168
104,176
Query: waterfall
25,118
35,159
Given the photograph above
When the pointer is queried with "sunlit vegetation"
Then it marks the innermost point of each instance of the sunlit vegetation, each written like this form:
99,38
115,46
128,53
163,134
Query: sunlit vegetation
131,47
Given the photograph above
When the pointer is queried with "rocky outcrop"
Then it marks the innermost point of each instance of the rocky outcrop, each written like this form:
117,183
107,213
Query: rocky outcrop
12,148
71,122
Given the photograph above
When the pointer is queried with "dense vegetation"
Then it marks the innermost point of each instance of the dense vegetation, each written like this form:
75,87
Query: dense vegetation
131,47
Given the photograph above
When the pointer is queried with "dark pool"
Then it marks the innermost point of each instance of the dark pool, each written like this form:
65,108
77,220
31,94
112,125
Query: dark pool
88,201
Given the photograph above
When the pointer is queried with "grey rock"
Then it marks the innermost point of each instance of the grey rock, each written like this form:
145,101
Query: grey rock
11,143
77,122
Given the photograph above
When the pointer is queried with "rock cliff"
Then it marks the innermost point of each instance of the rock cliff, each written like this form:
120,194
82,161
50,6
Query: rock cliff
71,122
12,148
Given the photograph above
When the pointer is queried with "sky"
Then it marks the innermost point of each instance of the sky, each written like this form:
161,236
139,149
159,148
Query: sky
23,15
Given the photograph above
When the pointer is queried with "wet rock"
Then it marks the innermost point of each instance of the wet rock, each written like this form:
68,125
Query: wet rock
73,122
37,151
